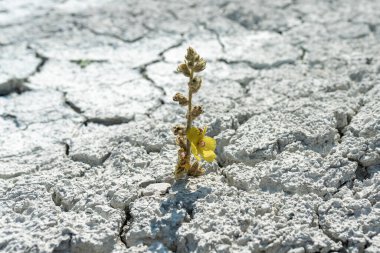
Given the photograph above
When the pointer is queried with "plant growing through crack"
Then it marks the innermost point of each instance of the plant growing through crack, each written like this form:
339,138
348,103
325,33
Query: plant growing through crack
191,139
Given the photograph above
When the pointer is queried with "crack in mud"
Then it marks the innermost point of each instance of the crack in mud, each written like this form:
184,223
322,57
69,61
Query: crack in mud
125,226
217,35
258,66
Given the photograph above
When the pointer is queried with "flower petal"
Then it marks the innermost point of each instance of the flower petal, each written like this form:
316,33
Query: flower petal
208,155
210,143
194,135
194,151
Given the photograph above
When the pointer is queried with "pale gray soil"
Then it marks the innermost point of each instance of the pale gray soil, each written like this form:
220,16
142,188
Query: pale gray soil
291,93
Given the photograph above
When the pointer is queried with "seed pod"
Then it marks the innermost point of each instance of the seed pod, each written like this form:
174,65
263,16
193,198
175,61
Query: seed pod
181,99
195,170
179,130
195,84
179,171
182,68
201,65
196,111
180,141
182,154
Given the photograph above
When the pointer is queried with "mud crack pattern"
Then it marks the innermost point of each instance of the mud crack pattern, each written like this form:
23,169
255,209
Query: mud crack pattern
291,93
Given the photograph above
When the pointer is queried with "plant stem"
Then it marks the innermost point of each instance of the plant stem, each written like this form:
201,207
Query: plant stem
189,118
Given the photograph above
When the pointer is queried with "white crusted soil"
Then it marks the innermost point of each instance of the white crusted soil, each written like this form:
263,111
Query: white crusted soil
291,93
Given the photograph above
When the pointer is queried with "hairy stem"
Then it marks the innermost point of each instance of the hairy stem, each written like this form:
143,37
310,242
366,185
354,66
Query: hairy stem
188,126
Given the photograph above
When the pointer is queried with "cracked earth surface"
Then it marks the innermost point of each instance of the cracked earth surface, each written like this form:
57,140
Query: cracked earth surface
291,93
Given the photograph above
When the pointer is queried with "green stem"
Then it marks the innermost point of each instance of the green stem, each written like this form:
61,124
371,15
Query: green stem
189,118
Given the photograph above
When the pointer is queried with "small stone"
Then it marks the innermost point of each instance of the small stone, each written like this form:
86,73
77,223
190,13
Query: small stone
156,189
297,250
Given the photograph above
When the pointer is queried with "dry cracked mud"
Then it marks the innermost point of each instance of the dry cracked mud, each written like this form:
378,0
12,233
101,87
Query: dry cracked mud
291,92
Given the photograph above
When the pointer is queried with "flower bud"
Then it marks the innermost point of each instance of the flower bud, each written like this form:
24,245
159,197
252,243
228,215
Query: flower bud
195,84
182,68
191,55
181,99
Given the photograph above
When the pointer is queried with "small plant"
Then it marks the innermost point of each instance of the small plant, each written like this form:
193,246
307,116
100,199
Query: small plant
190,139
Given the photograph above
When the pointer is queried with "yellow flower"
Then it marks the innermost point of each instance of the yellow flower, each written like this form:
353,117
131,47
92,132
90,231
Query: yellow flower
201,145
